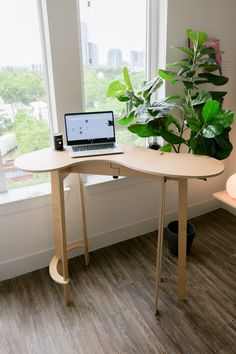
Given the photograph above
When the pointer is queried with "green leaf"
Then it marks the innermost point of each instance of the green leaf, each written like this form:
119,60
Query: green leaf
169,120
149,84
124,98
154,88
207,61
126,120
219,147
201,98
194,124
116,88
210,109
137,101
166,75
150,87
225,118
170,137
173,97
186,50
186,73
210,68
155,125
129,107
142,130
162,107
189,85
184,63
214,79
217,95
166,148
200,82
202,37
223,145
127,78
206,51
212,131
202,146
197,38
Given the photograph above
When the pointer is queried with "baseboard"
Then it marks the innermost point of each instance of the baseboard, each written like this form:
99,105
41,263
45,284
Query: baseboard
26,264
41,259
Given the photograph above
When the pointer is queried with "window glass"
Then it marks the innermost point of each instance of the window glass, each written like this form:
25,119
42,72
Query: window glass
113,35
24,122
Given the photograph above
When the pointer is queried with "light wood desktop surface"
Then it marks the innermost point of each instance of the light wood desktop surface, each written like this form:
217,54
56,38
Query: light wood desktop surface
135,162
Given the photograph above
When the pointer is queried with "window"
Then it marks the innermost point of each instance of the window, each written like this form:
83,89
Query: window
113,35
24,121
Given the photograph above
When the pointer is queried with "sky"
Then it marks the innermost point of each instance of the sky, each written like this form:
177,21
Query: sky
119,24
19,33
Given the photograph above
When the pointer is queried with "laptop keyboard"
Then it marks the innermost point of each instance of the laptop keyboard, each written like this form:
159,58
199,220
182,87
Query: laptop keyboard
93,147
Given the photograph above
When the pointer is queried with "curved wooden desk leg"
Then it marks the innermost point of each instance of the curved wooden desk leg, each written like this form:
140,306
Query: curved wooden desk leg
84,221
182,236
160,240
58,210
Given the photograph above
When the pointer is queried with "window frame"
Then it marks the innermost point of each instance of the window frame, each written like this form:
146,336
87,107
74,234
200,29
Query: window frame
60,21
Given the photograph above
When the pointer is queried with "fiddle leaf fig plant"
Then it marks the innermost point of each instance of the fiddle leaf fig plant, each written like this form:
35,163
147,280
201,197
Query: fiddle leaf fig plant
194,118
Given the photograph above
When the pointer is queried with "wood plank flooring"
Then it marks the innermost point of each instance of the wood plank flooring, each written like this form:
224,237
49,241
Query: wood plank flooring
113,300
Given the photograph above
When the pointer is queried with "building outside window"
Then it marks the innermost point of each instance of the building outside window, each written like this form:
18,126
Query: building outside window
24,118
113,35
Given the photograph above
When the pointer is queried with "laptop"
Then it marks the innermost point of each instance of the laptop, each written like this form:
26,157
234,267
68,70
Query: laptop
90,134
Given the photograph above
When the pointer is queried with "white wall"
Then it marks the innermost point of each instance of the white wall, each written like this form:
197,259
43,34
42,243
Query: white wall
123,208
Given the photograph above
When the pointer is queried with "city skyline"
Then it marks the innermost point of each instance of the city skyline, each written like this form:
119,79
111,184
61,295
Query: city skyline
114,56
111,25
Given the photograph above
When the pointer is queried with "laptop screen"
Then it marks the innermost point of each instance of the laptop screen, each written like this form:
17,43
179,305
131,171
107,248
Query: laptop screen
89,127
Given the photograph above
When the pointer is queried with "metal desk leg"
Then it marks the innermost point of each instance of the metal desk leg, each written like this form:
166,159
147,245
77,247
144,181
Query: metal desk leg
60,258
160,240
182,237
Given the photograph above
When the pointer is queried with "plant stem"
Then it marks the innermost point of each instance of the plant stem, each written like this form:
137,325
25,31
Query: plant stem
181,133
174,148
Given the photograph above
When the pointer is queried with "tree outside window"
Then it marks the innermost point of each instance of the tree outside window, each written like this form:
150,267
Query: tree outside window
24,121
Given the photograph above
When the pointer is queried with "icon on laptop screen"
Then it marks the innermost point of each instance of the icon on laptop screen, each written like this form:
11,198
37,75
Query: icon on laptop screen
91,133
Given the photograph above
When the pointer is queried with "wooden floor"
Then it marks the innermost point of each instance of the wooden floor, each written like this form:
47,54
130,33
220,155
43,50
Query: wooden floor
113,300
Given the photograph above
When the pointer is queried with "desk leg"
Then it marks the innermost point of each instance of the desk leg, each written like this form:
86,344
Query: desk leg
58,209
160,240
182,235
84,221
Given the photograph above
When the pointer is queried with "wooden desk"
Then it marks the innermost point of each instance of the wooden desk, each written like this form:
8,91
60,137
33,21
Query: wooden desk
136,162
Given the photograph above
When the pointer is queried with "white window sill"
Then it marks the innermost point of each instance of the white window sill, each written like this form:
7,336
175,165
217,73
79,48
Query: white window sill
18,200
14,195
39,196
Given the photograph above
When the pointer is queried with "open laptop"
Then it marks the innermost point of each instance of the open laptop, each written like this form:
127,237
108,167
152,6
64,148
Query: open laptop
91,133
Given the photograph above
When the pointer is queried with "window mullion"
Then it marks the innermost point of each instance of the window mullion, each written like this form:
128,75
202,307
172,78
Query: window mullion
156,46
63,58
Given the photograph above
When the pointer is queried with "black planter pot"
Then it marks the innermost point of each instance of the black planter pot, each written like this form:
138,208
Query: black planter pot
172,236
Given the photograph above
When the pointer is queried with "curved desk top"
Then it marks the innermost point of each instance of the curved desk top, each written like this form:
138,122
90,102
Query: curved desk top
138,159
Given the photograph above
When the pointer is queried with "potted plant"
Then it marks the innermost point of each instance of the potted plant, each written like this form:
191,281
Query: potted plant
191,121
